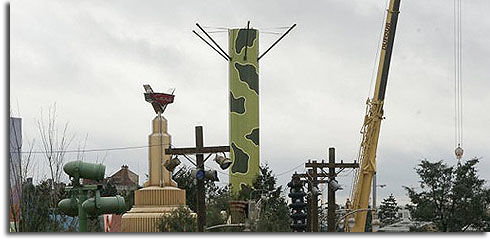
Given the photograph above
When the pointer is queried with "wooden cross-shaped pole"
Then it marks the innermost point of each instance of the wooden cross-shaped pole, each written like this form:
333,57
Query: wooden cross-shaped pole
199,151
331,165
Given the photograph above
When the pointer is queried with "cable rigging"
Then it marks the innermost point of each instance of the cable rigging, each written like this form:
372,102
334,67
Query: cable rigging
458,80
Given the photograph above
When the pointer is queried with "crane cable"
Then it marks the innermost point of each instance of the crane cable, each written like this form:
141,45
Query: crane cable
458,80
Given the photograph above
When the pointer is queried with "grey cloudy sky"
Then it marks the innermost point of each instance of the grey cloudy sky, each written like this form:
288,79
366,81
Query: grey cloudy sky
91,58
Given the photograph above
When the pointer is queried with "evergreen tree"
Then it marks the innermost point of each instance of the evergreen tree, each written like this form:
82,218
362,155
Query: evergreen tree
274,211
388,211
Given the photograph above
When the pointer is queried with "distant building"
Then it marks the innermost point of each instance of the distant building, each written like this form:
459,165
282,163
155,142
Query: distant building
15,148
404,215
406,224
15,162
410,226
124,180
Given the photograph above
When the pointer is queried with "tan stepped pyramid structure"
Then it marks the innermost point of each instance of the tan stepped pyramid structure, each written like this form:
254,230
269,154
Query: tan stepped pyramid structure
160,194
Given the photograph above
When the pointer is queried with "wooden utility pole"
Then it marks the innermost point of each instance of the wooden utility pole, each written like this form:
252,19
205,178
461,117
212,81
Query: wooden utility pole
201,194
308,206
199,151
331,219
331,165
311,177
313,198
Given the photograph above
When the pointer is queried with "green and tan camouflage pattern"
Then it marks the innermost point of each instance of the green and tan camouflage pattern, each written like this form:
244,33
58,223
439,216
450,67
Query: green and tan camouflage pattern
244,107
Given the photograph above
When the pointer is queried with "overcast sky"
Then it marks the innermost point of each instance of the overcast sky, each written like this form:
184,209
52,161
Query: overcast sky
92,58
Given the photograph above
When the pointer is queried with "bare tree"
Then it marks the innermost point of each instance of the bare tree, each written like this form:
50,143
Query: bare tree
55,141
81,149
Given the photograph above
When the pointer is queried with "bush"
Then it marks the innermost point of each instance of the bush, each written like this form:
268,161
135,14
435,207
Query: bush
179,220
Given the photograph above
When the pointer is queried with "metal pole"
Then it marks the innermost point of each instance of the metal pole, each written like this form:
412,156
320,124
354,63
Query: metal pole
373,213
201,206
331,192
82,215
374,191
246,41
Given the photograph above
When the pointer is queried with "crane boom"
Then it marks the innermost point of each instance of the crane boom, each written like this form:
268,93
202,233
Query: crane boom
372,123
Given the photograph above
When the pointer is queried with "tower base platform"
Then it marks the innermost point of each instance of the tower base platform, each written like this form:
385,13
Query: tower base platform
150,204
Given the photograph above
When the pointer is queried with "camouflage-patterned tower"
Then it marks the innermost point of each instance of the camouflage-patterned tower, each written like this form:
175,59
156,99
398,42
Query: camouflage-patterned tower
243,59
244,106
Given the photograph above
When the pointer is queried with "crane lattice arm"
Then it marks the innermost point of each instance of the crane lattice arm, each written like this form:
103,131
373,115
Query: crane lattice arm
372,123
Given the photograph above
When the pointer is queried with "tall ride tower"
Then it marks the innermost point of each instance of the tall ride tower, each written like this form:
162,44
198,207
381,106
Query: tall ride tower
244,106
243,60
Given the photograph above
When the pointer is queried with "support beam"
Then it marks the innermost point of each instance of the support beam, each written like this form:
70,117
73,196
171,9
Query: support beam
312,178
202,150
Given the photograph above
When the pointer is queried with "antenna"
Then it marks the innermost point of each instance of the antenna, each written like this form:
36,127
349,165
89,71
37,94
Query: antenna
226,58
212,40
277,41
246,41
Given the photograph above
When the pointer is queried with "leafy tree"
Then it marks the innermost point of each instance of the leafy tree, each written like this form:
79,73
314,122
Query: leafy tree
454,198
185,181
388,211
179,220
470,200
274,212
216,197
95,224
36,211
35,208
108,190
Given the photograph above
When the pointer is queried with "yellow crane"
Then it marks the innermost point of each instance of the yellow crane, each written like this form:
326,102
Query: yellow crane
372,122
